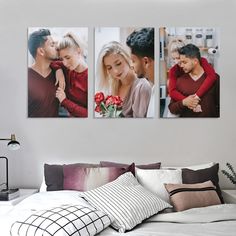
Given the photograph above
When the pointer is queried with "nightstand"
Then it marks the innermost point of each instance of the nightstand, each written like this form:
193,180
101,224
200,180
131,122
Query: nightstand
229,196
24,193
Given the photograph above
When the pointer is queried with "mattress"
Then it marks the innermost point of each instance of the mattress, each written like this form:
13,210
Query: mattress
217,220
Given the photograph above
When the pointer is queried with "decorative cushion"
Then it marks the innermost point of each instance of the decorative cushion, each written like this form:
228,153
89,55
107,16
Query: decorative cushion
186,196
85,178
154,180
53,175
114,164
64,220
126,201
202,175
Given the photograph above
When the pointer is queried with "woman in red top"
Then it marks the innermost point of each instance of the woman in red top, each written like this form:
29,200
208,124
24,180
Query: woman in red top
75,96
176,71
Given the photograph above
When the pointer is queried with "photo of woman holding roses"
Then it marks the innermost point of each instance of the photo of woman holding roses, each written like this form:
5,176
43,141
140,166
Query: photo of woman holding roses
120,92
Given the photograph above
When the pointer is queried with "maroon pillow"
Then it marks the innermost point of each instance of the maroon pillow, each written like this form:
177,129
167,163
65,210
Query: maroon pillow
87,178
115,164
203,175
53,175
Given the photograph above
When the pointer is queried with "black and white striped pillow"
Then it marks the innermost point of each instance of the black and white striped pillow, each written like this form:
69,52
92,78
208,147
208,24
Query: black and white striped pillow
65,220
126,201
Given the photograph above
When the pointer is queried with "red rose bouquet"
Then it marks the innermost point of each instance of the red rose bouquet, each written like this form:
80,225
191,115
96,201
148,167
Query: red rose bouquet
109,106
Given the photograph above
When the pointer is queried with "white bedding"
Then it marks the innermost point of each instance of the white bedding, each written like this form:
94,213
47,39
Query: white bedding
209,221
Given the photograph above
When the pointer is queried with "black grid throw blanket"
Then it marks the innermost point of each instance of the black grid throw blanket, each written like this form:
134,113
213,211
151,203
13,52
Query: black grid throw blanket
65,220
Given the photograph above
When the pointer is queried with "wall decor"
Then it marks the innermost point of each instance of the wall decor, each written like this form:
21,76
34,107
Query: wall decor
57,72
124,65
189,74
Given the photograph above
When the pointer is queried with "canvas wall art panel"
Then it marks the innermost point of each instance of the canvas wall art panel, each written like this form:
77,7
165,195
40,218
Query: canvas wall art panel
189,72
57,72
124,72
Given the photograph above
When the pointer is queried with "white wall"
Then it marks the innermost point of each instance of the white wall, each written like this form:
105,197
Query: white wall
172,141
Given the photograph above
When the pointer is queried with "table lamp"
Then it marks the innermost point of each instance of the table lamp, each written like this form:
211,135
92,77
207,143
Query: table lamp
7,194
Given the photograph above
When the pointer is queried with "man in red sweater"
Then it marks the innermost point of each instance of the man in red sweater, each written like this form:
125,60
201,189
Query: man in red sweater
41,79
190,82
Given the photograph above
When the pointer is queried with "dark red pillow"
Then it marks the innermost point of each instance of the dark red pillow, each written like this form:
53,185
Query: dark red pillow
115,164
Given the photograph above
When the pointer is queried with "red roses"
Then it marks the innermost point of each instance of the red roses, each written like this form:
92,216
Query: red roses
99,97
113,100
109,106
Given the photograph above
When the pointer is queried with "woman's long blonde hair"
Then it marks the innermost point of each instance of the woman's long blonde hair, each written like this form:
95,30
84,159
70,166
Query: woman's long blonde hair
105,82
174,45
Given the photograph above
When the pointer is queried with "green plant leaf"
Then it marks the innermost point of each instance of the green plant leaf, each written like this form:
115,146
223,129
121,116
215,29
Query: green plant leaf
229,176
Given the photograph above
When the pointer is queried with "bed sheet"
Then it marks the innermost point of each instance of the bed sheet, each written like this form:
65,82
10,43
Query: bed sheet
223,228
208,221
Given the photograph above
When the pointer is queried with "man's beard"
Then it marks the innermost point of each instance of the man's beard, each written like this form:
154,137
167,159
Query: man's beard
140,76
52,58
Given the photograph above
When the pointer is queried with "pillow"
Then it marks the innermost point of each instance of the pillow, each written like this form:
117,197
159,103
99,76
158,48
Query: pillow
114,164
202,175
126,201
53,175
154,180
194,167
43,186
200,166
63,220
186,196
86,178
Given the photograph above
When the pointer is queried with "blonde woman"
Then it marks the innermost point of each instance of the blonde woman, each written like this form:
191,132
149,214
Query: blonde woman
75,96
117,77
176,71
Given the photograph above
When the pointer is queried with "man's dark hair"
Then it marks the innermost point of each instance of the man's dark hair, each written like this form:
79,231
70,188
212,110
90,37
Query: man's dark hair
141,42
36,40
190,51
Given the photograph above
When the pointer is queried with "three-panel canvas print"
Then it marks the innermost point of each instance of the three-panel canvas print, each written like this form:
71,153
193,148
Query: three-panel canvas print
132,75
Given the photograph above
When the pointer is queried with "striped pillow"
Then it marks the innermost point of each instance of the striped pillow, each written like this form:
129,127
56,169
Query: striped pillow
126,201
186,196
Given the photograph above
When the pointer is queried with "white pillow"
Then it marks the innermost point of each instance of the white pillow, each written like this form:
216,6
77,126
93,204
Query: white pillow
194,167
154,180
43,186
126,201
200,166
63,220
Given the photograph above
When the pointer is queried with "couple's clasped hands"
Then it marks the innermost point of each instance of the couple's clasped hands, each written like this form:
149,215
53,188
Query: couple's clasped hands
60,81
192,102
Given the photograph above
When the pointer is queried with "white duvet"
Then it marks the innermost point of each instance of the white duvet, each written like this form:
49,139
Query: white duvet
217,220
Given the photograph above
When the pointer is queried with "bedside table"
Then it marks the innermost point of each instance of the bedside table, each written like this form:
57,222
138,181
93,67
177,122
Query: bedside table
24,193
229,196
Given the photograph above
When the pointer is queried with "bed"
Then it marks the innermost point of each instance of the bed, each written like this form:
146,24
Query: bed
109,200
219,220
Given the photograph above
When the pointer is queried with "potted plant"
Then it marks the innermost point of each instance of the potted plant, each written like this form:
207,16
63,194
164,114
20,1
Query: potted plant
230,174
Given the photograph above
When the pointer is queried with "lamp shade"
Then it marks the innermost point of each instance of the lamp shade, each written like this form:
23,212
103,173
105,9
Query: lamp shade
13,144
